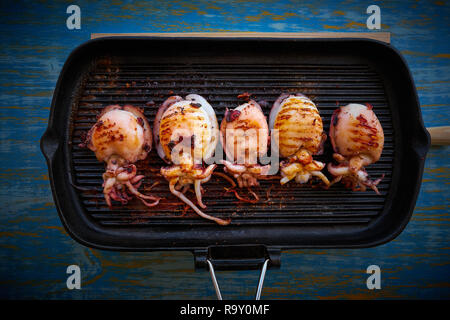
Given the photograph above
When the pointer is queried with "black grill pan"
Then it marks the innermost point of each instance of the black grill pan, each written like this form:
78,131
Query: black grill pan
144,71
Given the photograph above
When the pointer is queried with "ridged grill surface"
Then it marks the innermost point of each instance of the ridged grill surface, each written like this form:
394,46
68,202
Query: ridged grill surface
138,84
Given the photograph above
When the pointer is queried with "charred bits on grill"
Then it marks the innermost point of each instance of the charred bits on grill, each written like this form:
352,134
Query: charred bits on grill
245,96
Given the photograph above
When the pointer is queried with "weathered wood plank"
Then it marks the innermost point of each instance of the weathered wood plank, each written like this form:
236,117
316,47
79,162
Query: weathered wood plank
380,36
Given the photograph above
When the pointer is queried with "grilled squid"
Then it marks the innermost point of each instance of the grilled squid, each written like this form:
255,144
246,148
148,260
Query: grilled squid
244,137
298,130
120,137
357,139
186,133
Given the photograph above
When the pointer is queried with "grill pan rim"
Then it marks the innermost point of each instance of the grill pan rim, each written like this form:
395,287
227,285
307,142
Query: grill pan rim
52,148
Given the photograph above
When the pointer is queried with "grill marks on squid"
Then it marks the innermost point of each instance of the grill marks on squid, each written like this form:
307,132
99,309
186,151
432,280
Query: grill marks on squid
364,135
297,125
250,131
191,123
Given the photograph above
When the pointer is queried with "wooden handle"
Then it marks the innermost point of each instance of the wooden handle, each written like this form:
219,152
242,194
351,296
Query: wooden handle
440,135
380,36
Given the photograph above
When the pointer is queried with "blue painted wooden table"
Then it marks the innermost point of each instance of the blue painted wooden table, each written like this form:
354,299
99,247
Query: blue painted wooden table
35,250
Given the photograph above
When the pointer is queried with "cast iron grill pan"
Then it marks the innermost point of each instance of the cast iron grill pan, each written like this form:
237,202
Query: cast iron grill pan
144,72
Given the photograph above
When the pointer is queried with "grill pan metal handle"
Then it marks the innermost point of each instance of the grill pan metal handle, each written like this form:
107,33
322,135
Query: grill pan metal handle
237,257
258,289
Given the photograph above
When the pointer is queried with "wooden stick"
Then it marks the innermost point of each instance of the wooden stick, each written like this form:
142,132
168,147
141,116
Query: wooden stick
440,135
380,36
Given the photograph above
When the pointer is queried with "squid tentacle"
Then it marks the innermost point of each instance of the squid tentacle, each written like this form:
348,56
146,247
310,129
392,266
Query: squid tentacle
353,177
118,196
134,191
198,193
223,175
112,186
303,171
246,177
108,185
137,179
181,196
236,194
